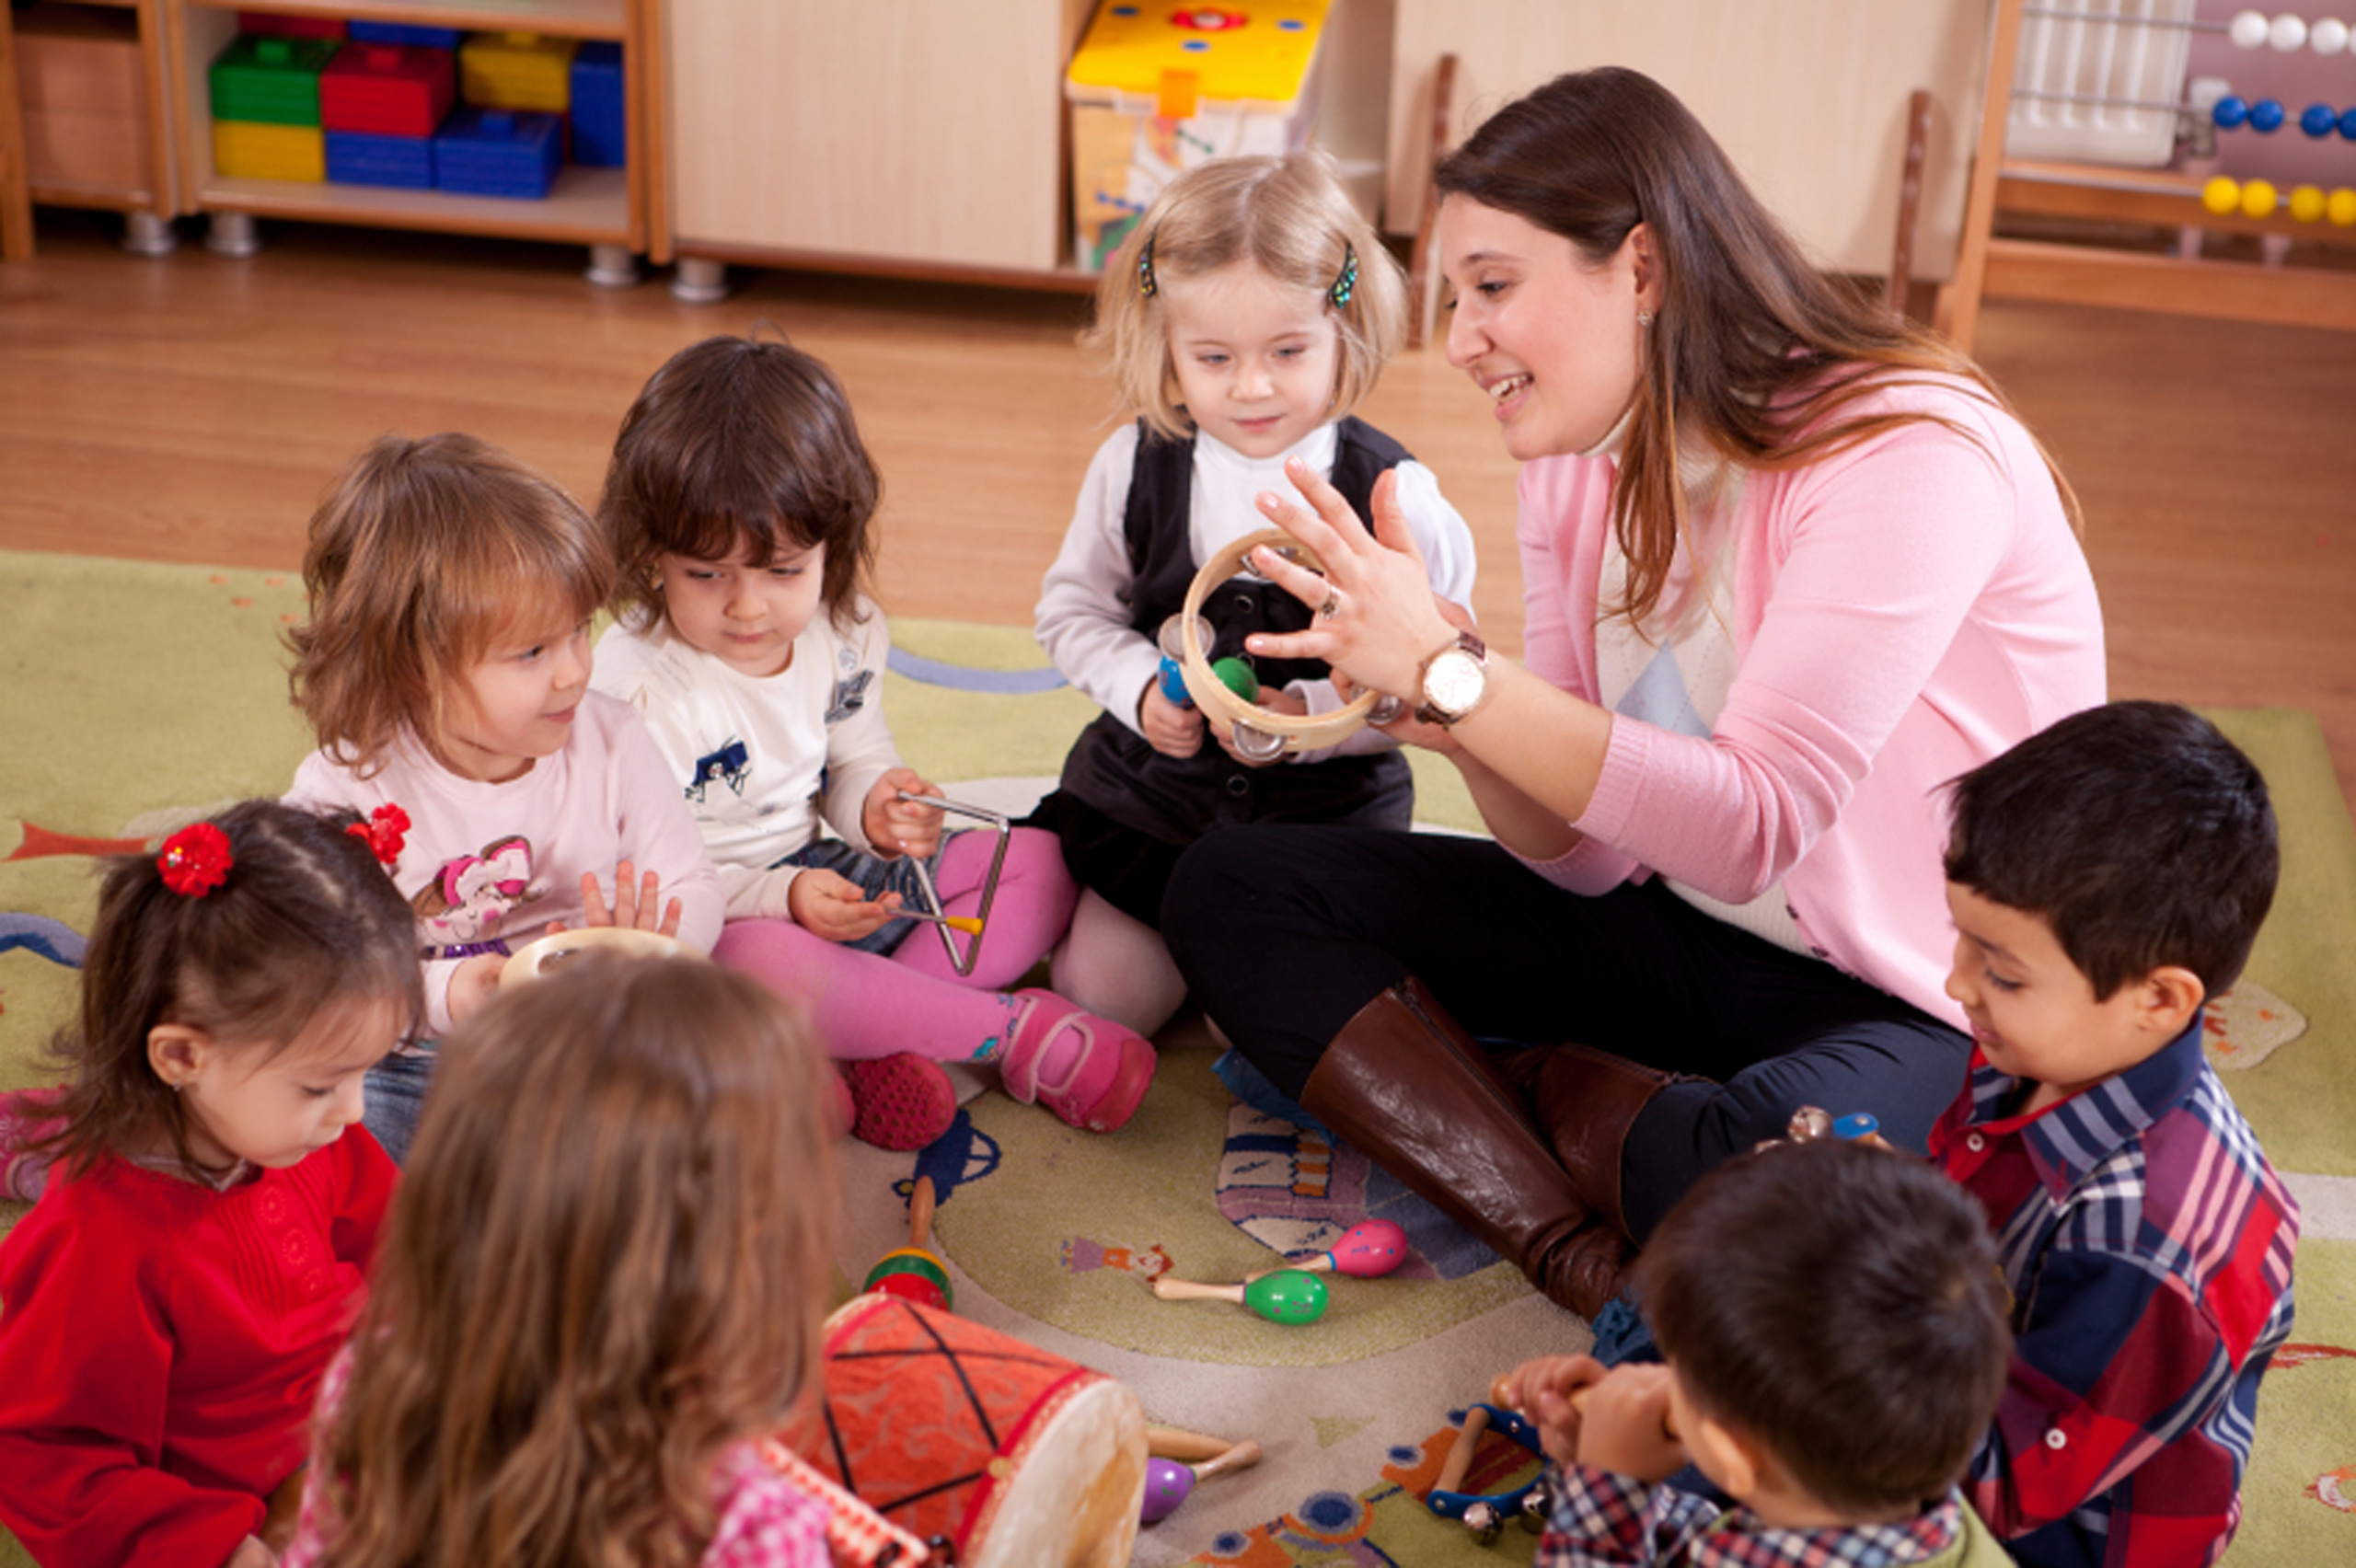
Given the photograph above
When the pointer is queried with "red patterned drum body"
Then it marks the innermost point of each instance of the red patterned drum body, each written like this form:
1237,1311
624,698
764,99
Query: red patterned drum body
1020,1458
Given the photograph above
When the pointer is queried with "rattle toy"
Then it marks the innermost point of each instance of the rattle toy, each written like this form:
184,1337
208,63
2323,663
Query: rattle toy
1486,1514
1287,1295
942,921
1259,735
1368,1249
1236,674
536,958
1167,1482
914,1273
1810,1123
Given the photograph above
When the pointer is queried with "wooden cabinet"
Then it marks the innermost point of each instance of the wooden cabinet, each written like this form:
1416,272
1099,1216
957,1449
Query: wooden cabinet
97,117
604,208
905,132
1807,97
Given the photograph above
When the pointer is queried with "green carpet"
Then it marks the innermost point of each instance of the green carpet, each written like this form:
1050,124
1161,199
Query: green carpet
141,696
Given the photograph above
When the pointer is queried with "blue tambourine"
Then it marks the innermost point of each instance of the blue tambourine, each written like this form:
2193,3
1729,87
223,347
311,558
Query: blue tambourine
1484,1514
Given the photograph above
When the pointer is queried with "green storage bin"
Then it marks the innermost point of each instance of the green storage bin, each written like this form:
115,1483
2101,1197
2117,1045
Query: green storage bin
270,81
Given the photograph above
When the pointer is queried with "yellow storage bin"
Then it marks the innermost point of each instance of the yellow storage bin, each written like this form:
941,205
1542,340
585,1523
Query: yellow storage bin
243,149
1156,89
517,70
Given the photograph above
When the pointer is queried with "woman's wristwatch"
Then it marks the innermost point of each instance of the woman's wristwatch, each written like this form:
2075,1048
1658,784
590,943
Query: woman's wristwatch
1453,681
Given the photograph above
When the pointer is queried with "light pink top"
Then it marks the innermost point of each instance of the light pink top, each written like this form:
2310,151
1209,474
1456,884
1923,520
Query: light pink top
1904,612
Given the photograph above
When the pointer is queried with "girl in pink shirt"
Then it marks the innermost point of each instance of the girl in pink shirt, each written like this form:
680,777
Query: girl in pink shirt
445,668
1789,564
600,1291
202,1244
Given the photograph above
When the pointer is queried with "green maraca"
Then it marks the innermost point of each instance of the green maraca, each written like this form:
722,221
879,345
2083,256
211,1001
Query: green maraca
1287,1295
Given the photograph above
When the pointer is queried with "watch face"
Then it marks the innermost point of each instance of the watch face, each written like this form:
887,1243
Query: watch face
1453,681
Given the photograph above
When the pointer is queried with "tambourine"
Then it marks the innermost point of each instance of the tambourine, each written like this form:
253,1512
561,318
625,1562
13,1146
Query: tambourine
1260,735
543,956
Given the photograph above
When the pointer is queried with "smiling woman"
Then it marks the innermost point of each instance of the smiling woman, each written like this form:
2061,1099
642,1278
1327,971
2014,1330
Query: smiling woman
1789,564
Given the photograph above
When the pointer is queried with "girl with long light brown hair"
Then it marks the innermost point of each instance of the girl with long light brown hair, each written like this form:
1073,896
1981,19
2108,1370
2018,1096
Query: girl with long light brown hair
1788,564
601,1284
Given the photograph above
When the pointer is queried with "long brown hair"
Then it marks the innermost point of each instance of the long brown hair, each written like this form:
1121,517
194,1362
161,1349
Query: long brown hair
423,555
1753,349
604,1265
305,923
734,443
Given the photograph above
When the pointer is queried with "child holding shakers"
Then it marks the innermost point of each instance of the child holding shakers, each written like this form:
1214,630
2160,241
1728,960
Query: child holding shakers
1249,313
739,503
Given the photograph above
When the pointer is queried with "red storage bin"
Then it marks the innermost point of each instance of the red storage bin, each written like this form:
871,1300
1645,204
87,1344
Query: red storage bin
388,89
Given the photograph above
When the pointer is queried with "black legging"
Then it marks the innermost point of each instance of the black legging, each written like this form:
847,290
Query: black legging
1284,931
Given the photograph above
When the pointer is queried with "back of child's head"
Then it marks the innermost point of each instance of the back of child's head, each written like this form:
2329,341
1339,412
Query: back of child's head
423,557
2140,834
1286,216
606,1261
740,443
1841,1305
302,921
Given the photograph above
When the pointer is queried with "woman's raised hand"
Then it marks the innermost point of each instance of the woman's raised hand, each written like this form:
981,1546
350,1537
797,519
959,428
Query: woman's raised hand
1384,620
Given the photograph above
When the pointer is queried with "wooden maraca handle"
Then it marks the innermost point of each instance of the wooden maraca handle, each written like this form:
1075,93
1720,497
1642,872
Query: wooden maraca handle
1194,1290
1460,1454
1502,1385
1176,1443
919,1211
1243,1456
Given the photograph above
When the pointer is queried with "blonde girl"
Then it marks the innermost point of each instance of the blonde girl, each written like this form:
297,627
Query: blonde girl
202,1245
601,1284
1246,317
445,668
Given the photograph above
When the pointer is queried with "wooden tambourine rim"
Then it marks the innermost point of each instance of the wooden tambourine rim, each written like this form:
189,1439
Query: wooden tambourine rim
628,941
1300,732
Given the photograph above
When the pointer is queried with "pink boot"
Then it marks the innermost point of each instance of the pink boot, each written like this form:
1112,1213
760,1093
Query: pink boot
903,1101
25,1114
1088,1070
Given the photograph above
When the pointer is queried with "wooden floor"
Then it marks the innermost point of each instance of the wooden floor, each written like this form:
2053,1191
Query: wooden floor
192,409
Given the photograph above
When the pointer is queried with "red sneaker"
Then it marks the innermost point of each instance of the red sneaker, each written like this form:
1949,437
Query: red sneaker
1101,1069
903,1101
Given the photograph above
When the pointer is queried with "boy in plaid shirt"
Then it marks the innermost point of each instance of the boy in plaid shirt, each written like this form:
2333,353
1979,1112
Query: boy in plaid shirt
1834,1328
2108,876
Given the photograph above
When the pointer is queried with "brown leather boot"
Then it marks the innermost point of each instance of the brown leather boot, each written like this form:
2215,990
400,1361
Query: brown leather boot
1409,1087
1584,1101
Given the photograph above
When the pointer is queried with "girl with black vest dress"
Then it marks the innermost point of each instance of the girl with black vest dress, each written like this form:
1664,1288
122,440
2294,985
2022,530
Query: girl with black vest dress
1249,311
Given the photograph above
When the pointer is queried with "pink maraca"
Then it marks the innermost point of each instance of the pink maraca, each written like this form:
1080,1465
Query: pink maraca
1368,1249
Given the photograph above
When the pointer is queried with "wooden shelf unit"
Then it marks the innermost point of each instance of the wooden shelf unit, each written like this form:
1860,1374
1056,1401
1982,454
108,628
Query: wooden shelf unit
588,205
154,194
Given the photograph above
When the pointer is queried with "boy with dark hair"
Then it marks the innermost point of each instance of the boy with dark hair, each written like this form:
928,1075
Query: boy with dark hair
1834,1330
2108,876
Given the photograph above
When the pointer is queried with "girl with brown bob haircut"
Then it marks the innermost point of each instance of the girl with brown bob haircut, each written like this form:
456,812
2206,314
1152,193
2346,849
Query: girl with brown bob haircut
1788,565
601,1284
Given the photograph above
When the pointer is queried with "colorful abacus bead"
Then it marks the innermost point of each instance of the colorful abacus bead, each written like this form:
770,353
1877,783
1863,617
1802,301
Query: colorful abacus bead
2265,116
2230,112
2318,120
914,1275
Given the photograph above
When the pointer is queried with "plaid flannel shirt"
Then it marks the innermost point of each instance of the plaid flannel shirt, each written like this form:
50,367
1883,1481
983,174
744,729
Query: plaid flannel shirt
1605,1520
2148,1245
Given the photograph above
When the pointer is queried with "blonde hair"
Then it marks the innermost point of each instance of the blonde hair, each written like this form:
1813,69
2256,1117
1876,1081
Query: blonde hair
605,1265
422,557
1289,217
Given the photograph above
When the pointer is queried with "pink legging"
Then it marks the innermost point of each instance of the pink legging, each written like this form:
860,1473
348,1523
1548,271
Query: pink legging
865,1006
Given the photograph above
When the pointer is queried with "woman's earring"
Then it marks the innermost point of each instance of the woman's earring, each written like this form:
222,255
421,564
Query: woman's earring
1644,318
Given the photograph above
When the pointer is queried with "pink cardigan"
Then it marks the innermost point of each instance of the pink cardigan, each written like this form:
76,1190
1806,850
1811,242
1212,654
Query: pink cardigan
1904,612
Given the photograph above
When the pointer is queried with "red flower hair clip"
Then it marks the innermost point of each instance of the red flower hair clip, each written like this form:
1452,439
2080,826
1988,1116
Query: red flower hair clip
196,860
383,832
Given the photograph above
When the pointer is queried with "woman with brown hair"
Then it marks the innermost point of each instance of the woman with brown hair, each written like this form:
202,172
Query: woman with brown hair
1789,564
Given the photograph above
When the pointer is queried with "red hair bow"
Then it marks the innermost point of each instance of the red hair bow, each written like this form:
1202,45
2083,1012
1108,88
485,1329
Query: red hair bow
196,860
383,832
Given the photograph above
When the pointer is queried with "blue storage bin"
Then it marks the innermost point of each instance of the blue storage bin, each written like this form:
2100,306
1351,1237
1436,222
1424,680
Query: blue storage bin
600,122
362,157
499,151
401,32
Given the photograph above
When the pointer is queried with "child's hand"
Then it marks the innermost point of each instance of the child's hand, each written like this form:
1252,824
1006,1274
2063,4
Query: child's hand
251,1553
473,983
1624,1426
901,827
1545,1391
826,904
1168,729
636,902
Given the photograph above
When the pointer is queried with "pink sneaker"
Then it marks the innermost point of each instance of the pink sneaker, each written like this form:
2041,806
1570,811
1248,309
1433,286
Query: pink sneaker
24,1115
903,1101
1103,1068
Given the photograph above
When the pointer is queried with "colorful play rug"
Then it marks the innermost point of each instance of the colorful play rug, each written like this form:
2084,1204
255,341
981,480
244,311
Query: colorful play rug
141,696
